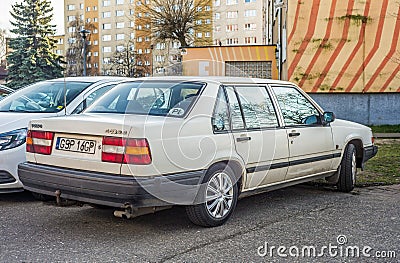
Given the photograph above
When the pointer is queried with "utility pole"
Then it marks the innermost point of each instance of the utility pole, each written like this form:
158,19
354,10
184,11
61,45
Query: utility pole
84,34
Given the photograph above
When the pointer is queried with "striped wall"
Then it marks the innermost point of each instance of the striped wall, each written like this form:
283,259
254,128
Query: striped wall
344,45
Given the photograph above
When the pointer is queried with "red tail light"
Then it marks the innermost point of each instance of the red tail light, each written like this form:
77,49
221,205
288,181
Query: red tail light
39,142
126,150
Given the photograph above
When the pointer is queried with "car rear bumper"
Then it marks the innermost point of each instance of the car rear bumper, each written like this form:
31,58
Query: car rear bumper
369,152
111,190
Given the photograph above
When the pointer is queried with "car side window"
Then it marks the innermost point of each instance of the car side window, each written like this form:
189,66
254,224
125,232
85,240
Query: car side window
234,108
220,120
295,108
257,106
92,98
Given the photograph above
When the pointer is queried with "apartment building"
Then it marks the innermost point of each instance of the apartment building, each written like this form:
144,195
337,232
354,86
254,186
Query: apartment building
240,22
118,25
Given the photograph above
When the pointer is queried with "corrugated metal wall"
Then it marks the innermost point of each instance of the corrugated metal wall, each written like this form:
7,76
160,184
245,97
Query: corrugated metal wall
344,46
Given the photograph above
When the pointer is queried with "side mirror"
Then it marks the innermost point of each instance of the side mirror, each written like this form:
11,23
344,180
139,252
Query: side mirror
329,117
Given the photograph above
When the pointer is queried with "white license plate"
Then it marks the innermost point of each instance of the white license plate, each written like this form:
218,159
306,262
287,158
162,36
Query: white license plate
76,145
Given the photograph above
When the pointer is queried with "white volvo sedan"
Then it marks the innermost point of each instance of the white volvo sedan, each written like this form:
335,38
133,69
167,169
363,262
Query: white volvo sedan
198,142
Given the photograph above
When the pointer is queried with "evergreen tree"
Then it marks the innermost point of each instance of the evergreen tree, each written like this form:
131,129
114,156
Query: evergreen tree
32,58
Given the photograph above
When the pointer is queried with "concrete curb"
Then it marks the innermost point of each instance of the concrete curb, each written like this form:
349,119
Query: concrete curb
387,135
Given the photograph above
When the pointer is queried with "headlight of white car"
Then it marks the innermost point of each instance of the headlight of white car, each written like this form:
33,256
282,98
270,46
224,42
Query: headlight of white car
12,139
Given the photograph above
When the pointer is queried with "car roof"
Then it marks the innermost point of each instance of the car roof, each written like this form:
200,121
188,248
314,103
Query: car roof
91,79
217,79
2,87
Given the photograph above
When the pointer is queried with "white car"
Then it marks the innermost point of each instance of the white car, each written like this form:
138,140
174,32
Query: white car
198,142
42,99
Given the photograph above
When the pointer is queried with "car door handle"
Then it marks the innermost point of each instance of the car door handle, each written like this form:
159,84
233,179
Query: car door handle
294,134
242,139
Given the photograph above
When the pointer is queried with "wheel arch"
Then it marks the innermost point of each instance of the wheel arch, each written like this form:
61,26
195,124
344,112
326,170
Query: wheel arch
237,168
359,150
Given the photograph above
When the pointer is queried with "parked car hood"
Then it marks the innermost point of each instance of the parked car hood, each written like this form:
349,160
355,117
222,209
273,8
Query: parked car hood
10,121
350,124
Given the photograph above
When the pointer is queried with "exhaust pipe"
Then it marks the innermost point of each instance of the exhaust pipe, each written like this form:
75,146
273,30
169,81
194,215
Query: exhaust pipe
130,212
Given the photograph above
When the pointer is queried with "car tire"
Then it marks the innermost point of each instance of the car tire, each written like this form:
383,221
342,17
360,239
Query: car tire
348,170
42,197
217,201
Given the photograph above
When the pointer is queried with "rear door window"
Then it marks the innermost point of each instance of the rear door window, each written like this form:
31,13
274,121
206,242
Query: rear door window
257,107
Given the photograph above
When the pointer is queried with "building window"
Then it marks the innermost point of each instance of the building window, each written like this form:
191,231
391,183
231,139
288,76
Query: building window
95,54
250,12
231,2
81,6
70,7
198,22
231,28
120,2
250,1
119,12
106,14
120,25
147,39
95,42
140,51
139,39
106,49
71,18
160,58
60,41
207,34
88,9
160,46
59,52
95,8
107,26
207,8
106,60
132,35
208,21
119,37
106,37
232,14
132,24
147,51
95,31
120,48
250,26
106,3
250,40
95,19
217,2
217,16
88,20
232,41
199,34
71,29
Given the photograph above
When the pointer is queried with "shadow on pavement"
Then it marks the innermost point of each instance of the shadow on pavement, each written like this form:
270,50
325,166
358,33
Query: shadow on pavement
17,197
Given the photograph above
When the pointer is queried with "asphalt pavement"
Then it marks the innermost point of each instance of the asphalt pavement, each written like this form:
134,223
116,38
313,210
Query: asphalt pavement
309,223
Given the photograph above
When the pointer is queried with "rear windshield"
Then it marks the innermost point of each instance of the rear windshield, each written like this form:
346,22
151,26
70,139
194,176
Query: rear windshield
42,97
149,98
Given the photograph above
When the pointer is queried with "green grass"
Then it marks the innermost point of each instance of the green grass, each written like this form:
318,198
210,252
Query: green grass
384,168
385,128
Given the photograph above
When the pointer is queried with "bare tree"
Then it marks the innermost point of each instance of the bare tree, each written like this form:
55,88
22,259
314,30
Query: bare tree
74,54
177,19
127,62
